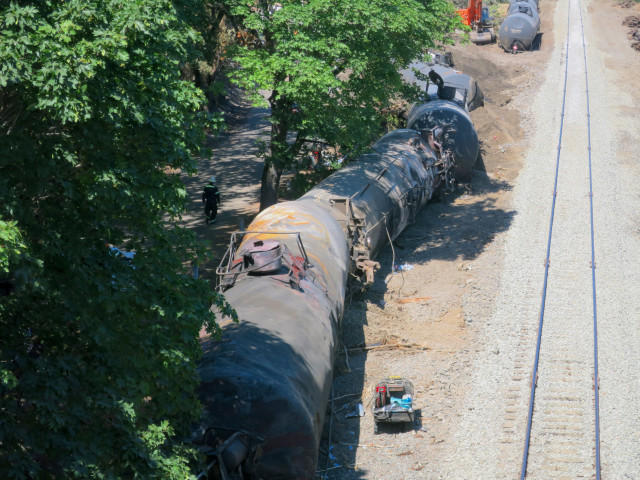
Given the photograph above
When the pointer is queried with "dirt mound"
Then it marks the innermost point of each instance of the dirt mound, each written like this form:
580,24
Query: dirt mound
633,22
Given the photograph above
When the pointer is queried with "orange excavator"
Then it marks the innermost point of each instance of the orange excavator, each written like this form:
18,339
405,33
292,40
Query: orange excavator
478,19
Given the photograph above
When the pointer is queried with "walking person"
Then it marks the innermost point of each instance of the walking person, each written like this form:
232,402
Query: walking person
211,199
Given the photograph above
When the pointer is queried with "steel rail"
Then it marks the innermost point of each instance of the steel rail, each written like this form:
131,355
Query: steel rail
534,376
593,260
525,456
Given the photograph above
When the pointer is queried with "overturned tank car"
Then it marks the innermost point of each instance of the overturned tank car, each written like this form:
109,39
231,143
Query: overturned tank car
265,384
450,96
520,27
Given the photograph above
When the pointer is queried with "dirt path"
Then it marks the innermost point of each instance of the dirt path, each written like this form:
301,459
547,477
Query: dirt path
238,172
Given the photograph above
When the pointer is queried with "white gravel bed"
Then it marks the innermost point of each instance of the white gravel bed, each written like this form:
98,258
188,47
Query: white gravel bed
615,152
563,432
490,436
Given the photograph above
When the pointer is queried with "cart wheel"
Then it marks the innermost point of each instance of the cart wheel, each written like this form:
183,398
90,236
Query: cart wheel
376,428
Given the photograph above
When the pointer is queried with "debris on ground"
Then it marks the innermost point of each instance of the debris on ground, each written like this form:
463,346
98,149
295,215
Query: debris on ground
393,403
390,346
633,22
357,412
405,267
413,300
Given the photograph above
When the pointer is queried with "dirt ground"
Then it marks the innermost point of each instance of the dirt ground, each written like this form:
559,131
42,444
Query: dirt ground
237,170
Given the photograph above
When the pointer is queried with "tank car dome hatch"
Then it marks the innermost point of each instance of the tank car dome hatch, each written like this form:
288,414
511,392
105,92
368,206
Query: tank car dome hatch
417,73
519,28
422,67
260,257
468,93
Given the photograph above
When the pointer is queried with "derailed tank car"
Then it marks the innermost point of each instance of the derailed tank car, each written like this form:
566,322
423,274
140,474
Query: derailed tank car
270,374
459,133
451,95
266,383
520,27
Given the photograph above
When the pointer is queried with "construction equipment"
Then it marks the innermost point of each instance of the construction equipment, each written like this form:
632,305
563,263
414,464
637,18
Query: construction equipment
393,403
477,17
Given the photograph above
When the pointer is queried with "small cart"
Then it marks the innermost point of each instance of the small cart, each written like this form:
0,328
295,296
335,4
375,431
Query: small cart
393,402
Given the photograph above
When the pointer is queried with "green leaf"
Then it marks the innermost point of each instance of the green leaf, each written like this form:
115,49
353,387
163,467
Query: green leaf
98,353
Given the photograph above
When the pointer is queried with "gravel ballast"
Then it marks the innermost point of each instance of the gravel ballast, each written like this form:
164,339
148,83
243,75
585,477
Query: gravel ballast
490,438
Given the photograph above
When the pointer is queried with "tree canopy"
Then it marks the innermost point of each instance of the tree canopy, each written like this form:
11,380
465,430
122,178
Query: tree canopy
331,66
97,352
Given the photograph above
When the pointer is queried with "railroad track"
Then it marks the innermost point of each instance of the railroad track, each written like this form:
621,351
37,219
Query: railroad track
562,438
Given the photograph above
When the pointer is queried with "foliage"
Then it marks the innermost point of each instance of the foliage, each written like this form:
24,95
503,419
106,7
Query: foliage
331,66
97,354
11,246
208,19
304,180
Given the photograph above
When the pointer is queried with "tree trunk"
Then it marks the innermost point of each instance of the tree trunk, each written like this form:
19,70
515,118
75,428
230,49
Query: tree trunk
277,157
270,184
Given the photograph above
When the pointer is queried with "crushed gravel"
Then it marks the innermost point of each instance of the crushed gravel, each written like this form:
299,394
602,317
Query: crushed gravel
489,444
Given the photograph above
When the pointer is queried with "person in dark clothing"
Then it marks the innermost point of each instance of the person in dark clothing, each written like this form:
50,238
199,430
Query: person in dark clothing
211,199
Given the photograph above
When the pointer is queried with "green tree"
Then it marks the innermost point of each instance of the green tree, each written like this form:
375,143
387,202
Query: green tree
97,353
331,67
209,19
